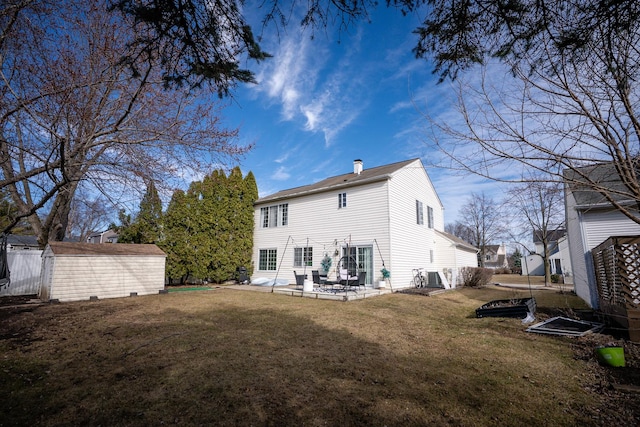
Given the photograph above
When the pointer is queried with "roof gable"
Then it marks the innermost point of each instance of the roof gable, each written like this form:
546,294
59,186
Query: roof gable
379,173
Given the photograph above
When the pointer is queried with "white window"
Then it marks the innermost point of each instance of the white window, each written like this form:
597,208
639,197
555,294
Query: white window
429,217
342,200
268,259
303,257
274,216
419,213
431,256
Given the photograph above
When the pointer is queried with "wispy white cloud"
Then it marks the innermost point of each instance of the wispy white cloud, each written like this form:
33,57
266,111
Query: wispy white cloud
313,87
281,174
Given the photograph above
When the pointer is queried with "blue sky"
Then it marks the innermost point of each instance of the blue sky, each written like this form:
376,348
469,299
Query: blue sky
360,94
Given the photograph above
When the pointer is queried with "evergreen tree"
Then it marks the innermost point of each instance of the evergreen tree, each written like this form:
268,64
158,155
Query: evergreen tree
245,221
147,226
177,243
209,229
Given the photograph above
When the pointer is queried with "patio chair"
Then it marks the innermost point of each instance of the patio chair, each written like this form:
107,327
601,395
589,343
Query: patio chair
359,281
316,278
299,279
346,279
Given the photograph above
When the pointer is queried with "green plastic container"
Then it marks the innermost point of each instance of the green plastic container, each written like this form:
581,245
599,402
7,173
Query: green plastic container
612,356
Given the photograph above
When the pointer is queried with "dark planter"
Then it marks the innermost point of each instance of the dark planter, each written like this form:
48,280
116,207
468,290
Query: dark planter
507,308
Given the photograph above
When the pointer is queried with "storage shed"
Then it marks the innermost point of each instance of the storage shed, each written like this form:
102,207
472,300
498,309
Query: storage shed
82,271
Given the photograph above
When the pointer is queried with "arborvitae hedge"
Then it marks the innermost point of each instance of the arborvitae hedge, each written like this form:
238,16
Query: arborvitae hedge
208,231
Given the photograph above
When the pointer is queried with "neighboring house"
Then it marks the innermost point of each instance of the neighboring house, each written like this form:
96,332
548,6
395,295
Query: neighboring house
559,257
108,236
495,256
17,242
590,221
82,271
389,214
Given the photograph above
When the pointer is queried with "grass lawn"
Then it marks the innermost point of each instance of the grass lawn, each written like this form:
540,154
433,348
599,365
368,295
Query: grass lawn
229,357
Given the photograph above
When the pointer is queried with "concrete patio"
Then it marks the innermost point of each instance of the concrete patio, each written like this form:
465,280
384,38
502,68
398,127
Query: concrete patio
317,292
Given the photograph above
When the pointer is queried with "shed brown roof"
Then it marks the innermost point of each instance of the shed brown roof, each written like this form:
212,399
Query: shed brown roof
104,249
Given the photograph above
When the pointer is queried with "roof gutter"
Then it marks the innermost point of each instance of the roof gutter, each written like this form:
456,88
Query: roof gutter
275,198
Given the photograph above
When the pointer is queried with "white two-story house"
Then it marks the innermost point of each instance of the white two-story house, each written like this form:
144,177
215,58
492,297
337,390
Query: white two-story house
387,216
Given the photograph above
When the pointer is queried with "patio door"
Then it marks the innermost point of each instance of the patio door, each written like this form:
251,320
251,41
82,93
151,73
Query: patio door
364,257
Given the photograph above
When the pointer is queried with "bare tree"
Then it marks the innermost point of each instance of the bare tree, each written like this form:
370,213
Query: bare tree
88,215
538,208
71,113
572,102
484,220
460,230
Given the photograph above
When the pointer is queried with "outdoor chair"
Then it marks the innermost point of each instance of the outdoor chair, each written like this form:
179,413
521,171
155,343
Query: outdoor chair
359,281
346,279
316,278
299,279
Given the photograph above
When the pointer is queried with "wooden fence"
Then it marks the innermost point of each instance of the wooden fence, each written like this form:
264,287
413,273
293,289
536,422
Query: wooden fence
617,270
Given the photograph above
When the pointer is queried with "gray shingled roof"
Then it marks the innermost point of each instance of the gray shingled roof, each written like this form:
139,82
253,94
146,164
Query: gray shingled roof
341,181
602,174
23,240
104,249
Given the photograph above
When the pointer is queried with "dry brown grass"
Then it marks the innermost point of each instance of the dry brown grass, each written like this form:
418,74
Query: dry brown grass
227,357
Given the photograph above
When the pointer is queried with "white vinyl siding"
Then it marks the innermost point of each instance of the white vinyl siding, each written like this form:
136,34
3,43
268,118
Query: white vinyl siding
587,230
77,277
381,215
314,217
411,243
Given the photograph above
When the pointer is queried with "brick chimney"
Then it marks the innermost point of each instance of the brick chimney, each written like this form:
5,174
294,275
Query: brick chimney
357,166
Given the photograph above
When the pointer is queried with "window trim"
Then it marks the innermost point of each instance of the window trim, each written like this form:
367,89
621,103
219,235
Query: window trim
303,256
342,200
419,212
429,217
274,216
271,259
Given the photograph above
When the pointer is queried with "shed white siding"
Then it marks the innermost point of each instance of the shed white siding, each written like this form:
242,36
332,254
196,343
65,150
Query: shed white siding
77,276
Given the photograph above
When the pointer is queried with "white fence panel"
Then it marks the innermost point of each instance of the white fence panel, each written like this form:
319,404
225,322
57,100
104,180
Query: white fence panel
24,268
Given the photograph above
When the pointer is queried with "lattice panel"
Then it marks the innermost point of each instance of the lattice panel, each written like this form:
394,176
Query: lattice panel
628,262
617,269
605,267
